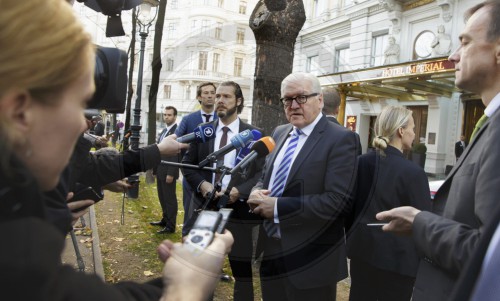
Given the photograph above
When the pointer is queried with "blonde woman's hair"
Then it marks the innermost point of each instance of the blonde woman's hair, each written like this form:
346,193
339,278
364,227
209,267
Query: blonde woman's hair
44,49
387,124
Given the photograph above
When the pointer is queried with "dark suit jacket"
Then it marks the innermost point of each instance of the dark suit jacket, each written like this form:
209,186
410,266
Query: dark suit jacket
470,274
199,151
461,207
167,169
383,183
332,119
189,123
459,148
316,195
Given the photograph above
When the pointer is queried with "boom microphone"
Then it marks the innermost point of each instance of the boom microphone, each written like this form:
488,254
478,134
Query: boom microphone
238,141
260,148
201,134
247,149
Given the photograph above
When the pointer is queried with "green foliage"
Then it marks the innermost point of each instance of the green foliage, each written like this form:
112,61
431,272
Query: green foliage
419,148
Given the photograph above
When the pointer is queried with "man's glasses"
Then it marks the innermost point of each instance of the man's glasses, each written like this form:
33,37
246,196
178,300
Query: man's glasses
301,99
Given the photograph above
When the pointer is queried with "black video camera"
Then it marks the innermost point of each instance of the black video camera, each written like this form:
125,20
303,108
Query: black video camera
110,79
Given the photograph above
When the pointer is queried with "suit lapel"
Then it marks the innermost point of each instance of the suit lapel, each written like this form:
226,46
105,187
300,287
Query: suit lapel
160,138
280,140
172,130
211,142
462,158
311,142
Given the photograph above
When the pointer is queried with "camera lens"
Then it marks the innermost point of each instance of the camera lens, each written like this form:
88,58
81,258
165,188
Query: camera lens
196,239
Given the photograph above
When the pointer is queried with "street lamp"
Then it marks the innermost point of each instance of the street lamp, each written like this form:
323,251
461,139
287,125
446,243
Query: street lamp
145,18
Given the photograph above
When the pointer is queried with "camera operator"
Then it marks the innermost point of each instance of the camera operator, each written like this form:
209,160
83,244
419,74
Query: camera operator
46,82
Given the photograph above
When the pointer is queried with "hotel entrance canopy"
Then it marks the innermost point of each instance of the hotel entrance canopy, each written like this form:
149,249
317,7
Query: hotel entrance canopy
411,81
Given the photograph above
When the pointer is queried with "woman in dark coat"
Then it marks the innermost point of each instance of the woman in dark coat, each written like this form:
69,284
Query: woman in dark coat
383,266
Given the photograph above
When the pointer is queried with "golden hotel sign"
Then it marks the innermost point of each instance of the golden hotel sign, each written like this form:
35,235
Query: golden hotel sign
419,68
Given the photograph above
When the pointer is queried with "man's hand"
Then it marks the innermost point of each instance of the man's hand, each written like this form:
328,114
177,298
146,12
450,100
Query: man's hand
206,188
118,186
234,195
400,219
74,206
169,147
183,268
261,203
169,179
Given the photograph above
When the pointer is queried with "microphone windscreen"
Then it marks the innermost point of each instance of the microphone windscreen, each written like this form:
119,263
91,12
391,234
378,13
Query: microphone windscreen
256,135
205,132
240,140
264,146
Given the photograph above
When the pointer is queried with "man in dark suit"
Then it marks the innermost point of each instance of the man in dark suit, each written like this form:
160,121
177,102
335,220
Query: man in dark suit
303,194
229,103
331,99
460,147
205,94
479,279
166,177
466,201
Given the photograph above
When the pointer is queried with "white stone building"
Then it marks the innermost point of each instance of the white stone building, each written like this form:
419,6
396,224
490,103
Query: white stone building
346,43
203,40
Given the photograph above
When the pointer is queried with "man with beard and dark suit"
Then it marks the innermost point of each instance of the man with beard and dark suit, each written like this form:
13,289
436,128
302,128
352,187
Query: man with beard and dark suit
305,190
228,104
467,200
166,177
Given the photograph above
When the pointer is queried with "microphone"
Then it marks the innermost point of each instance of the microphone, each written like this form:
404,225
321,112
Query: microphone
246,150
237,141
260,148
201,133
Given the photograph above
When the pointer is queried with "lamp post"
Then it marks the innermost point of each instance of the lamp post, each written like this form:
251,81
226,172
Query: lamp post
161,116
145,19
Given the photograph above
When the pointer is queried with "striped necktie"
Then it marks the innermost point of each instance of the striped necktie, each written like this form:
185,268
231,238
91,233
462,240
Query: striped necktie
281,177
479,124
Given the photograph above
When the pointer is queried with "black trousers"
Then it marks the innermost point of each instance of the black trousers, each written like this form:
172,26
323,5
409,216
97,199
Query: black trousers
168,198
369,283
275,283
240,259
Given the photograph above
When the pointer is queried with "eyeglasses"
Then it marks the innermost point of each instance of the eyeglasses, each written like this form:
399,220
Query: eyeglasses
301,99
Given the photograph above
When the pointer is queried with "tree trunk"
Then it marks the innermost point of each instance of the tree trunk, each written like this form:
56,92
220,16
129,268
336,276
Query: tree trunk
130,93
275,34
156,68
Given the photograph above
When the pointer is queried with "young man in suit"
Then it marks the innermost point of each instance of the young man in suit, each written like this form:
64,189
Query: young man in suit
466,201
166,177
228,104
303,194
460,146
205,94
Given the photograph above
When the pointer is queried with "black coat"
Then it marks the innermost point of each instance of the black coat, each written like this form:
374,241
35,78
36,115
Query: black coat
384,183
30,257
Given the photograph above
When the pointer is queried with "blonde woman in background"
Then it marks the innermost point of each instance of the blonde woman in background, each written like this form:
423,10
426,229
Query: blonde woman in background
384,266
46,79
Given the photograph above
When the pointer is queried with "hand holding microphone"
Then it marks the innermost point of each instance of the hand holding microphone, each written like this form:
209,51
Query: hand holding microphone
202,133
170,146
238,141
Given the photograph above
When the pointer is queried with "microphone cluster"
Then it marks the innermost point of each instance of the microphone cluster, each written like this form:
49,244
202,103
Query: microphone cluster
249,142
